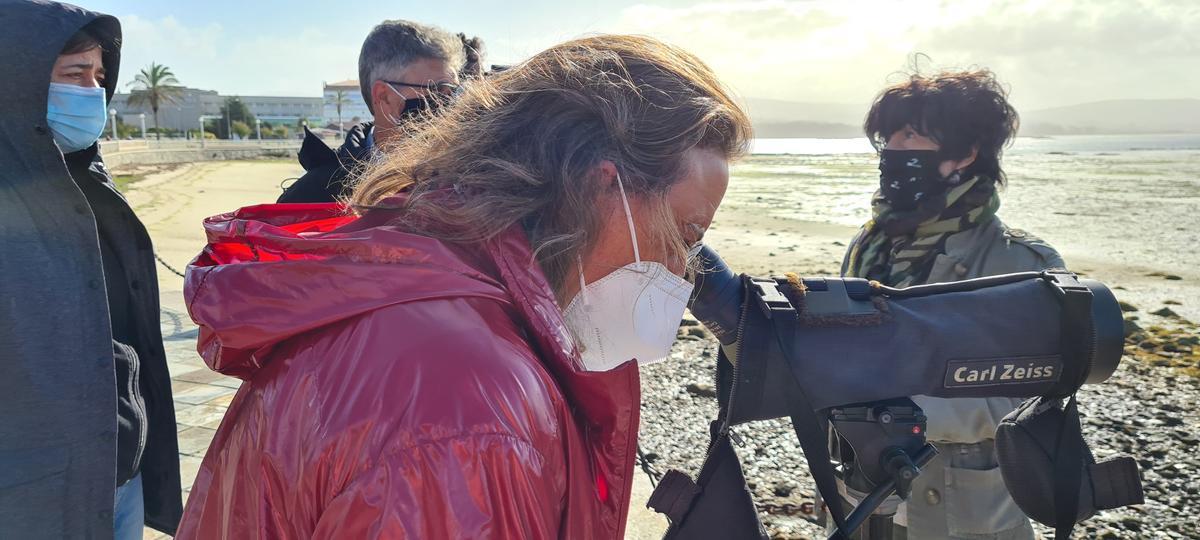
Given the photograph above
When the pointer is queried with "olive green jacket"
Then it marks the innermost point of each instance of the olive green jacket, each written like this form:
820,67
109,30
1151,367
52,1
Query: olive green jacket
960,494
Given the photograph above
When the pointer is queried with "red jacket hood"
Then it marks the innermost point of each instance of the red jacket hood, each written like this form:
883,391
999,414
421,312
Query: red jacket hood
270,272
273,272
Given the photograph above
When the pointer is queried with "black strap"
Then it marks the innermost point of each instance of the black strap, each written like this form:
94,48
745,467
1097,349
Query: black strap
810,432
673,495
1076,339
717,506
1116,483
1076,346
815,444
1068,474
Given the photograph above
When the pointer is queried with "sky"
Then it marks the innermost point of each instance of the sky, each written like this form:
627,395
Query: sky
1048,52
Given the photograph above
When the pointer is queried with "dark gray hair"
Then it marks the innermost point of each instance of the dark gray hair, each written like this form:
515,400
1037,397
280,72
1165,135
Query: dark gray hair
392,45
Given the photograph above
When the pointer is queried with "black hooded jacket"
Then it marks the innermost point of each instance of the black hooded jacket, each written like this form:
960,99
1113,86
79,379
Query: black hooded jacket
327,172
64,350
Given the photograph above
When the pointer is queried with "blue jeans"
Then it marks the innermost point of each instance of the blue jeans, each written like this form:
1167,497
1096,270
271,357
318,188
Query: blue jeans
129,514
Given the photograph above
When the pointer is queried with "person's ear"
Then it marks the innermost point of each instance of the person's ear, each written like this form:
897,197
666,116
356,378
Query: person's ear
381,97
963,163
608,197
949,167
606,174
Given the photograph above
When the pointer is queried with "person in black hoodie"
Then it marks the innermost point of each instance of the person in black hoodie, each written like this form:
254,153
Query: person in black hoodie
88,445
404,68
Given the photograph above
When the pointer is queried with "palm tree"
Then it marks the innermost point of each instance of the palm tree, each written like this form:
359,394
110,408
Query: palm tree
337,100
157,86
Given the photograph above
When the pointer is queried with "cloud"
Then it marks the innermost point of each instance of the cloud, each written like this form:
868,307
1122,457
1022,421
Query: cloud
281,65
1050,52
186,50
212,58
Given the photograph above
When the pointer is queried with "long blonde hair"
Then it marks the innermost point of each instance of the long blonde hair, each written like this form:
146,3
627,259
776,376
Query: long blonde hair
523,146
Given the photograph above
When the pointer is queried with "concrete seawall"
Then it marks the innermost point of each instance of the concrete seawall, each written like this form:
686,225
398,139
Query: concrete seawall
121,154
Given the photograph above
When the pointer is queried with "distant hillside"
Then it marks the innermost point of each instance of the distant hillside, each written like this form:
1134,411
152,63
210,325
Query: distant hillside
775,118
1125,116
819,130
780,119
774,111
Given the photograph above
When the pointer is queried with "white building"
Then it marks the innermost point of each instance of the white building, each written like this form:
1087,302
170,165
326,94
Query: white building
284,110
184,112
354,109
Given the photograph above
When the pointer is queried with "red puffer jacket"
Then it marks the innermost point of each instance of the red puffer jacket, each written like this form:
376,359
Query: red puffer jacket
397,386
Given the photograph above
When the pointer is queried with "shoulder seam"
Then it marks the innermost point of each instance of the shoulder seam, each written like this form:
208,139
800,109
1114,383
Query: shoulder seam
467,435
1043,251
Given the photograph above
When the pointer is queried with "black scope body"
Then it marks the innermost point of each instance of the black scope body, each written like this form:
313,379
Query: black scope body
847,340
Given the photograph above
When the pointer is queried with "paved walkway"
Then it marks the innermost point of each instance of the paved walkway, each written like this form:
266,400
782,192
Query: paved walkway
172,205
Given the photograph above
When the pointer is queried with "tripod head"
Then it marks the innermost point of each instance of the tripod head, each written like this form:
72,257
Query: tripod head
877,442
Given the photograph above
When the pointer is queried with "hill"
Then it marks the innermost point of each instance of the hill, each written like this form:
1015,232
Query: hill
781,119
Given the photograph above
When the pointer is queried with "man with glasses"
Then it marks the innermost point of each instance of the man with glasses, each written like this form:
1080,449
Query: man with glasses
404,68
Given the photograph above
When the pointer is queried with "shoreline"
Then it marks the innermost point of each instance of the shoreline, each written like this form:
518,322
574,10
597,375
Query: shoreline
758,243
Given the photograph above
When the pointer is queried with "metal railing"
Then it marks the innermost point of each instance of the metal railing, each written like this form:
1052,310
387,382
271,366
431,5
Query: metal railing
114,146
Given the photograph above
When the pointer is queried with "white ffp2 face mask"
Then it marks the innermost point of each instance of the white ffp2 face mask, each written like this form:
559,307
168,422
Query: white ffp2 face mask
632,313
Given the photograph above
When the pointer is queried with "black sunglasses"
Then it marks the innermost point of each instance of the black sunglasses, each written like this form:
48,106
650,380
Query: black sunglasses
444,88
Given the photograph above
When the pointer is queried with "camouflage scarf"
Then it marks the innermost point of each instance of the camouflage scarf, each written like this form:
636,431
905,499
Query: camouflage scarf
897,248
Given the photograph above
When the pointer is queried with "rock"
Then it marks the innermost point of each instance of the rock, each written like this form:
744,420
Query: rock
1173,302
689,322
1131,523
1165,312
1126,306
702,390
1172,277
781,489
1131,328
697,331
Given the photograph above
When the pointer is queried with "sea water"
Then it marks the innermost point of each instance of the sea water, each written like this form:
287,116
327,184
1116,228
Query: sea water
1132,200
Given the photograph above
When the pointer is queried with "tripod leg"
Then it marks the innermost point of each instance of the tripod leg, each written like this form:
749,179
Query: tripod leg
862,513
878,527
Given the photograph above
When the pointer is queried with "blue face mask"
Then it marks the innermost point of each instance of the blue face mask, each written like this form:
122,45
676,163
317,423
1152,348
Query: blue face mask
76,115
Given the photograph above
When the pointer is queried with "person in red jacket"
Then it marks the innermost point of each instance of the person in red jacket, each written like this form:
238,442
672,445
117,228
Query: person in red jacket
458,358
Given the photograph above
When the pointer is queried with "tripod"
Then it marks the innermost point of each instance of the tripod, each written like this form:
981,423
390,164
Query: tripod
881,447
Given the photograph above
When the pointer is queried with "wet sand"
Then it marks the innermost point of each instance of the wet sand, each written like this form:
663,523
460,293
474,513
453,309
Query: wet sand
759,243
